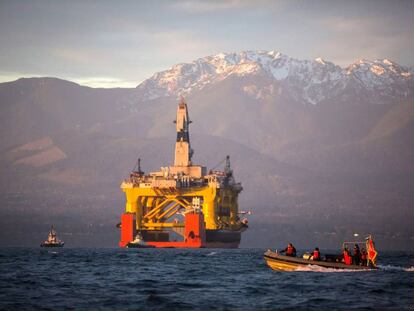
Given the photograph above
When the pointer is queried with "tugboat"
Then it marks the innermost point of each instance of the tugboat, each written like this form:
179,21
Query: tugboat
52,240
279,262
139,242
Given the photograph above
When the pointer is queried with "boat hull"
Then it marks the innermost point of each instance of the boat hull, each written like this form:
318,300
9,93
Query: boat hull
194,234
136,245
52,244
213,239
285,263
222,239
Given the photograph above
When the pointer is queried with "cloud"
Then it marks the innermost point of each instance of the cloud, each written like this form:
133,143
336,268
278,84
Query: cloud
347,25
104,82
80,56
132,40
198,6
95,82
349,39
7,76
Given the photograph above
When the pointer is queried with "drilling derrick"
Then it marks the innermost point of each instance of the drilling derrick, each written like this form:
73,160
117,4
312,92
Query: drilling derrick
182,205
183,152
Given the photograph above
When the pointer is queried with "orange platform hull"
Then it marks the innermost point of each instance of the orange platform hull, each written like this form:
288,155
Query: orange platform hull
195,233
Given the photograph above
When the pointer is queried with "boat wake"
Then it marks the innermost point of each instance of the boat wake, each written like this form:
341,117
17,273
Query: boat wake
211,254
395,268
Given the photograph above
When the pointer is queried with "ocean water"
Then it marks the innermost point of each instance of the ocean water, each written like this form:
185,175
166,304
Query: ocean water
202,279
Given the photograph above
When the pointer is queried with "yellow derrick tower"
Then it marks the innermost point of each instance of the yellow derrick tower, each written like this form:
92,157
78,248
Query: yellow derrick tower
182,205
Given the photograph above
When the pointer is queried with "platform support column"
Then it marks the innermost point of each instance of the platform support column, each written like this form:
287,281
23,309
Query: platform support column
195,230
127,229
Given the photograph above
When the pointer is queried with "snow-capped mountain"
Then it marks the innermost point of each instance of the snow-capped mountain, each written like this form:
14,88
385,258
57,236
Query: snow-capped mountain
306,81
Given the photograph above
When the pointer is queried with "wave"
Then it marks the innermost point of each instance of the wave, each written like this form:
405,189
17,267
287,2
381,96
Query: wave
314,268
395,268
211,254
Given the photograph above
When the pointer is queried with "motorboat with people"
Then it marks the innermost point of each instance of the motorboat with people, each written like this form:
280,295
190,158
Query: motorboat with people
52,239
139,242
360,260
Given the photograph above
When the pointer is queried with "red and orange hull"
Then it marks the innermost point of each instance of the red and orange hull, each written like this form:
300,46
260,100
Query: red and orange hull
195,234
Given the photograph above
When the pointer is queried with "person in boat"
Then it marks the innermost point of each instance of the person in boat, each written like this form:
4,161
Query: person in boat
363,257
316,254
356,255
290,250
347,256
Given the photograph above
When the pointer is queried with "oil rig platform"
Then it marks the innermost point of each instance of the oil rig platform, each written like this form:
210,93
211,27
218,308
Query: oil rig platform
182,205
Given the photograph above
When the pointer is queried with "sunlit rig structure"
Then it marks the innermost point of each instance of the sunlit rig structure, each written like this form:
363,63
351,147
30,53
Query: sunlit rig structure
183,205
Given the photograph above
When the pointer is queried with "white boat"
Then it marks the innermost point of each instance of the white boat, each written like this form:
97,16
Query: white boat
139,242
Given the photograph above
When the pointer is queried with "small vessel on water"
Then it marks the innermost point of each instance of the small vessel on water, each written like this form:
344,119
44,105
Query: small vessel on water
279,262
139,242
52,239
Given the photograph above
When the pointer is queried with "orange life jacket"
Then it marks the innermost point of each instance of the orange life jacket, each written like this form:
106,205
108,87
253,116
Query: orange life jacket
289,250
316,255
347,258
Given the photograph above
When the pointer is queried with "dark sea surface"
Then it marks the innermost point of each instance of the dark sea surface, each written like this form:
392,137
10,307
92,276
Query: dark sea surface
202,279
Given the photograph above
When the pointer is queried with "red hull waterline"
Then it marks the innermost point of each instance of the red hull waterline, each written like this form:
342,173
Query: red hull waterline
194,232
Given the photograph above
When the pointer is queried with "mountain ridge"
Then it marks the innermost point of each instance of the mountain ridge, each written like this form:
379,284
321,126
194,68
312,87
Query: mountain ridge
320,171
309,81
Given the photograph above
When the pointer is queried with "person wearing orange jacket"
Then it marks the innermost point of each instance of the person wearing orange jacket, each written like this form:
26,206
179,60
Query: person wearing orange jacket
316,254
347,256
290,250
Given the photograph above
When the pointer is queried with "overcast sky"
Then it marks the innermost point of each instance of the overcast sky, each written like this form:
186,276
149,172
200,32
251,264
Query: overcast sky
121,43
